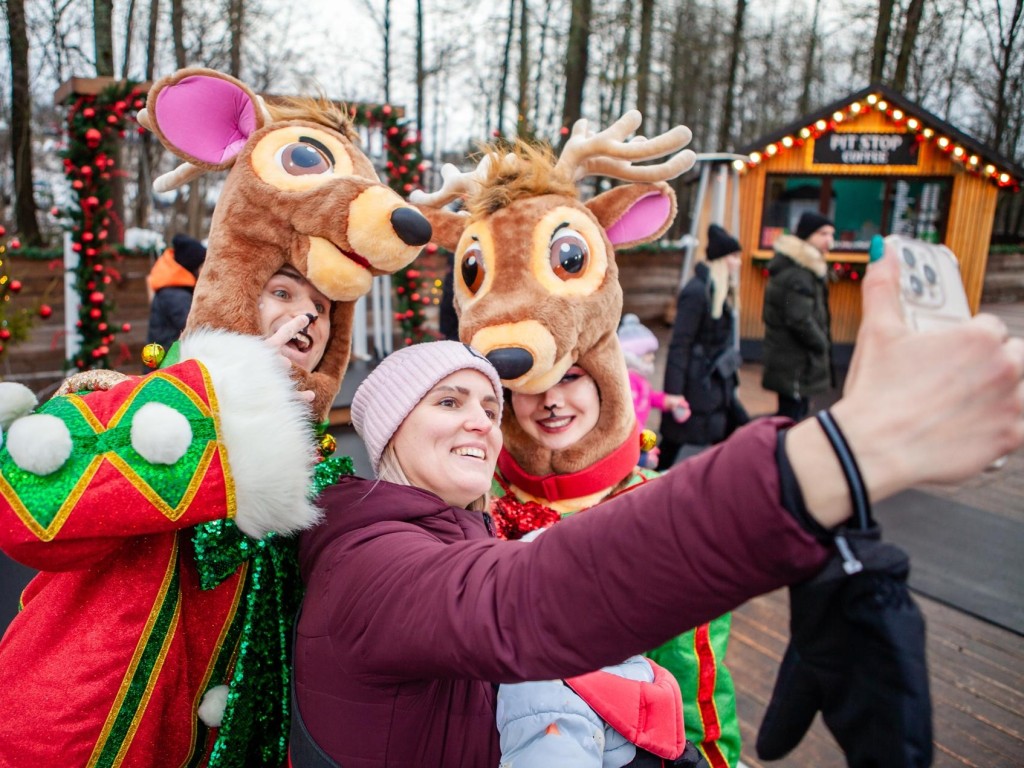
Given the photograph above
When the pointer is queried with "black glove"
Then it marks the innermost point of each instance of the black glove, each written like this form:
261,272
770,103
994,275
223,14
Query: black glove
857,654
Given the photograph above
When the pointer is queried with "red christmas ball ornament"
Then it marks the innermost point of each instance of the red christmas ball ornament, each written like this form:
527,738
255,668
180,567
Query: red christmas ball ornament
399,290
126,327
77,184
403,169
45,311
386,109
431,247
408,341
120,106
15,286
407,188
3,230
122,133
96,353
392,131
106,279
96,297
89,113
97,267
55,211
102,327
78,324
140,130
76,247
92,201
138,104
564,130
15,244
90,286
88,237
80,363
108,204
93,138
412,274
95,313
112,119
102,235
5,334
85,170
415,297
425,300
91,252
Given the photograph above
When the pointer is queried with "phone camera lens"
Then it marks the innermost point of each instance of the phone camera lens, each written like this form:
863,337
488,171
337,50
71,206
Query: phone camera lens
908,256
929,274
916,285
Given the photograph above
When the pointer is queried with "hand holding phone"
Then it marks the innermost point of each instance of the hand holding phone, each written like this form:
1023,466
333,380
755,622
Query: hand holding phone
931,288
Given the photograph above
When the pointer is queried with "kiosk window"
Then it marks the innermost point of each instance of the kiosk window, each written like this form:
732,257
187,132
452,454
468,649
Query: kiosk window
860,206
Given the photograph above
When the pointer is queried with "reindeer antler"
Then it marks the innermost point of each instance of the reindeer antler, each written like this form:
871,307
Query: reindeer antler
608,153
454,184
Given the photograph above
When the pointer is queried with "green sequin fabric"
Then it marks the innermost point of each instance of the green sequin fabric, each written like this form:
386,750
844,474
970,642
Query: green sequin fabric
255,726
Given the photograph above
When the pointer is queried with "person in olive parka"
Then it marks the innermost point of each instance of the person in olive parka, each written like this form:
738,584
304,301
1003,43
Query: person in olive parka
797,338
702,363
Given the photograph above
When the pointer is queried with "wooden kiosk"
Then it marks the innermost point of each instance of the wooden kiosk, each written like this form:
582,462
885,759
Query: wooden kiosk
875,163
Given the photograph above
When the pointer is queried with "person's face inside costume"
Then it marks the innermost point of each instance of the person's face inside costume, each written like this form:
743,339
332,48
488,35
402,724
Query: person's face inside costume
822,239
288,295
449,443
561,416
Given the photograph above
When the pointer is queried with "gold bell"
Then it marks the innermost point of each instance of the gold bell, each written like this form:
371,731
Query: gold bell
327,444
648,440
153,355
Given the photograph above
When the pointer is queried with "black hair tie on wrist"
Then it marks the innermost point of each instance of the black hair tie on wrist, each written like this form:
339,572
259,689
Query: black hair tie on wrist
858,493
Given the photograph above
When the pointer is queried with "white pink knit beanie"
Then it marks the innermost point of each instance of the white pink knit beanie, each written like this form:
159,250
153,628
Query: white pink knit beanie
400,381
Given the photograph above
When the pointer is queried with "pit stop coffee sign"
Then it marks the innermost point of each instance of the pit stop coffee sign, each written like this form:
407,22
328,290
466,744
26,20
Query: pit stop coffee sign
865,149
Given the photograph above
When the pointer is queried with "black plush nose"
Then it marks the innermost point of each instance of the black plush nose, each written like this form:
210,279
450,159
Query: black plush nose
511,362
411,226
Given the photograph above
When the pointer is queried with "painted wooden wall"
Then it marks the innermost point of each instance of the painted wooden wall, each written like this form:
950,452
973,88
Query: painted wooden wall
972,210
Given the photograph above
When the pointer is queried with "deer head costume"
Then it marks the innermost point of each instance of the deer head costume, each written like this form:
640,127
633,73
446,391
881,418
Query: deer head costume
299,192
536,281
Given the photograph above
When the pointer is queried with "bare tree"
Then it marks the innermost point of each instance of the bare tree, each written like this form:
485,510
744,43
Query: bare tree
643,65
178,32
810,62
382,20
576,57
523,129
236,28
910,28
129,23
25,214
507,51
103,36
736,42
881,46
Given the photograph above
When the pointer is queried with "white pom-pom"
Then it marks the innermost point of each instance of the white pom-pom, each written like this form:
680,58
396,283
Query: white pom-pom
39,443
211,709
16,400
160,434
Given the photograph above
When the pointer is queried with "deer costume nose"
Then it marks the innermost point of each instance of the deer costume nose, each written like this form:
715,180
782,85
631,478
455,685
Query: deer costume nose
510,362
411,226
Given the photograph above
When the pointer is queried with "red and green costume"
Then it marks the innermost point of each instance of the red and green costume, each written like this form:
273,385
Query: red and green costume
149,593
523,502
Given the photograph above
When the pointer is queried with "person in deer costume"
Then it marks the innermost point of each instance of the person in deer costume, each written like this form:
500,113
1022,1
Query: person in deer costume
159,509
552,307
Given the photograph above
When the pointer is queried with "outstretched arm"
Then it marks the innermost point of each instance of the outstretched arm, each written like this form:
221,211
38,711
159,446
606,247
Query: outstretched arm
918,406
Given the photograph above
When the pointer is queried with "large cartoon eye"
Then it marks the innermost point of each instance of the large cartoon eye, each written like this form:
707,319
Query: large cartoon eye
304,157
569,254
472,268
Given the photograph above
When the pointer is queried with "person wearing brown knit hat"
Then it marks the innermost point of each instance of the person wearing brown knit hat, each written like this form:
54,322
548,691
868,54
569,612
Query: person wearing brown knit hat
797,338
703,362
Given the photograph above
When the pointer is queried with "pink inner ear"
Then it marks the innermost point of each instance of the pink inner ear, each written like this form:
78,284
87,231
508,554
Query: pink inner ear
206,117
645,217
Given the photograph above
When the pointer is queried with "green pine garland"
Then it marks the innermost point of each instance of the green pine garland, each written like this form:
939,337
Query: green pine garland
14,322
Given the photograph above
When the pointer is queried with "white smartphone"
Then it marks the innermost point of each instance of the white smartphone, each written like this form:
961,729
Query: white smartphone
931,287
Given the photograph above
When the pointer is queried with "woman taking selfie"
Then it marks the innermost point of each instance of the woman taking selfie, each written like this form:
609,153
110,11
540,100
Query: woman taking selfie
413,611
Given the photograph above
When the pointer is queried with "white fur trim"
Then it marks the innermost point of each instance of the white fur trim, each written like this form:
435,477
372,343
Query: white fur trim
160,434
39,443
265,427
16,400
211,708
802,252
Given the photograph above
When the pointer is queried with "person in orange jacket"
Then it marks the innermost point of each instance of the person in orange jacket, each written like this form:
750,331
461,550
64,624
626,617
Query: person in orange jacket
170,284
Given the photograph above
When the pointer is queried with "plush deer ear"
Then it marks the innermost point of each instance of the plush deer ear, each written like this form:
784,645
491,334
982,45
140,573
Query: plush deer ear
635,213
447,225
204,117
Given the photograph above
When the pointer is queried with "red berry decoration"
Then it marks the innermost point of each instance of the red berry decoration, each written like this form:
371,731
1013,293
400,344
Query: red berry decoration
15,286
89,113
45,311
95,313
15,243
102,327
126,328
93,138
96,297
5,334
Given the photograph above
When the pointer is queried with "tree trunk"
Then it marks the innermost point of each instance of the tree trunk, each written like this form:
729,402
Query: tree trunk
420,74
643,65
25,216
236,25
386,26
955,66
881,46
809,64
178,32
130,24
144,178
576,55
523,128
725,128
899,80
103,37
503,79
1007,42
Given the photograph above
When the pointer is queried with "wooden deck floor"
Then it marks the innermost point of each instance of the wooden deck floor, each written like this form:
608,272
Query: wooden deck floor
977,683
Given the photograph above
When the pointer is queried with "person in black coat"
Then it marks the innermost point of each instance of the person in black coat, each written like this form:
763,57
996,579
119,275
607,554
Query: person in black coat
171,283
797,336
703,362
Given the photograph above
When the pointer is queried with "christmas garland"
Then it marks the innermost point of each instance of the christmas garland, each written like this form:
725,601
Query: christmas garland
14,323
95,125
